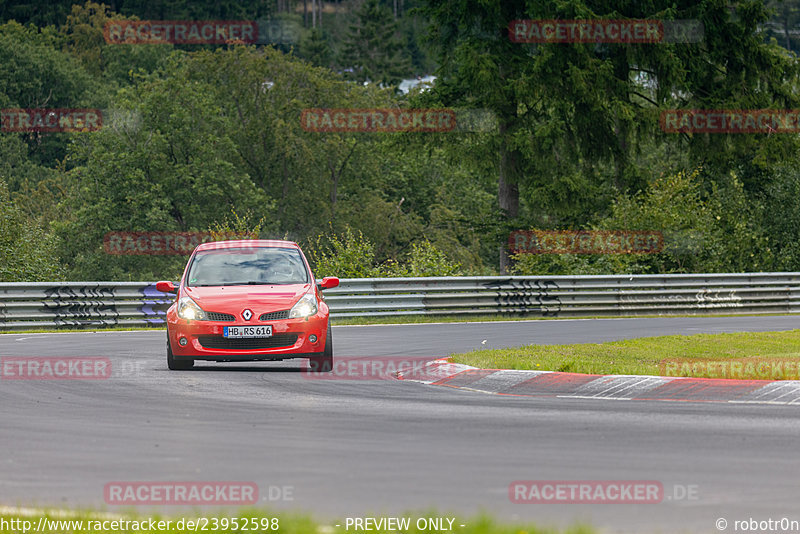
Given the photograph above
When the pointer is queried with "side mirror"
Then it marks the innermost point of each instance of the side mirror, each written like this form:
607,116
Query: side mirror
328,282
166,287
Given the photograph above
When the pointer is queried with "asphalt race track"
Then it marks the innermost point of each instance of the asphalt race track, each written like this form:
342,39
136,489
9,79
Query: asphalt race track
356,448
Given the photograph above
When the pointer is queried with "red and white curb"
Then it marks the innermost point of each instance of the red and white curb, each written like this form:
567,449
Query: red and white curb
614,387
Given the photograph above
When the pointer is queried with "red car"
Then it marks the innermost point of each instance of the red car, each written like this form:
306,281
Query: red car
248,300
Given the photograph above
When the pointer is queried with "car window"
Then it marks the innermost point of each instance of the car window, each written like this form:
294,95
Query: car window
242,266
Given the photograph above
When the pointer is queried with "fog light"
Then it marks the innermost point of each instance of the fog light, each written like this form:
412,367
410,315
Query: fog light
183,341
312,338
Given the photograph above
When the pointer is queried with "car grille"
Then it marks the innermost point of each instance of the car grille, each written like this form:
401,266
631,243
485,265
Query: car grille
215,316
276,341
274,316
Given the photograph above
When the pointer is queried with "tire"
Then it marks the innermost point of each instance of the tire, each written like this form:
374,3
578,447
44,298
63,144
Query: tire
324,363
177,365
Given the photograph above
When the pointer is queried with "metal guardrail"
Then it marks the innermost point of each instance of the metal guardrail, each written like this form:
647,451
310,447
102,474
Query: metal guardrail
97,304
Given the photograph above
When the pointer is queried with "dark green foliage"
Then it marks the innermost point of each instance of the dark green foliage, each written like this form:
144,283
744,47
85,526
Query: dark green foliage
194,133
373,47
27,251
351,255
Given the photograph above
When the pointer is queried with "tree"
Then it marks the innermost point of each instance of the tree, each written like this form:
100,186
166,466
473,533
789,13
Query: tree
34,73
211,131
173,167
572,111
720,231
30,11
307,173
781,215
373,47
84,35
27,251
117,64
315,48
784,22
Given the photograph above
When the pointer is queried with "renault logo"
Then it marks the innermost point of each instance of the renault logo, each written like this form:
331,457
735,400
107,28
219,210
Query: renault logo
247,314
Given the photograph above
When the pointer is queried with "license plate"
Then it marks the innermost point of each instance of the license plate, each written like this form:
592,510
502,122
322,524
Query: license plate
247,331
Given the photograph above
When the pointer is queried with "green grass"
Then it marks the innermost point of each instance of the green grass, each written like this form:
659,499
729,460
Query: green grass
649,356
288,523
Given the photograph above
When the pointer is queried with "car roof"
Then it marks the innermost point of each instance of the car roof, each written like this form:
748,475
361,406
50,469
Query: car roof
256,243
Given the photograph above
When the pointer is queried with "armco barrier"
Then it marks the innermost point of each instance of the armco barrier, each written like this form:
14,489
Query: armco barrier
92,304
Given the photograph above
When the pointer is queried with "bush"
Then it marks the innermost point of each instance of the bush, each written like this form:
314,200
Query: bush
781,215
345,256
351,255
237,227
27,252
713,230
423,260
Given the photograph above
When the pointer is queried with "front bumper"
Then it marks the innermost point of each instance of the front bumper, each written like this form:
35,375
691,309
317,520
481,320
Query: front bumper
204,340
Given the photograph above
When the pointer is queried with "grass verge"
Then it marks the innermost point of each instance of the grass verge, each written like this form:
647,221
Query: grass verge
258,521
744,355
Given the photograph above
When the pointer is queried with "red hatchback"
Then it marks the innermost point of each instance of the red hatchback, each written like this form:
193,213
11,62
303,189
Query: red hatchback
248,300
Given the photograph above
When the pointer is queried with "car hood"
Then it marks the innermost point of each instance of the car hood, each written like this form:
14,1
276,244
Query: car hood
259,299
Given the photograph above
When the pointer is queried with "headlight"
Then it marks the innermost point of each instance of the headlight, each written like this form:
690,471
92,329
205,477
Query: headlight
189,310
305,307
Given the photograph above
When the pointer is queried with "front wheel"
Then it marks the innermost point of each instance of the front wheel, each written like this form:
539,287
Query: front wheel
177,365
324,363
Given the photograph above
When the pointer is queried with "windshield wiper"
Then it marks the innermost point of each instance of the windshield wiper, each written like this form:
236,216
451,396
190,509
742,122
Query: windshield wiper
250,283
224,284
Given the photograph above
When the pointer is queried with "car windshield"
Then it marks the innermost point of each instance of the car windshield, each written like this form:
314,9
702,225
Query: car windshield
243,266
